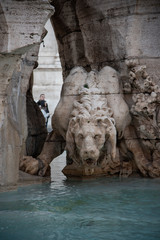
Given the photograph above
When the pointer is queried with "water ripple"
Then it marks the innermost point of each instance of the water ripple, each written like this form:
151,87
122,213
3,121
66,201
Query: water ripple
100,209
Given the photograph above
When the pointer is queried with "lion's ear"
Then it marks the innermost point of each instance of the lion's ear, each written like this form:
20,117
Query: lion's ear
109,121
73,121
99,120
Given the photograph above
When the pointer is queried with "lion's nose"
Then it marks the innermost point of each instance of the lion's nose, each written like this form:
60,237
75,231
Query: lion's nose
89,152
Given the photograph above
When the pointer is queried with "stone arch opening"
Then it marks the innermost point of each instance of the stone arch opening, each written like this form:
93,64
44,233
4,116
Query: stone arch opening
47,77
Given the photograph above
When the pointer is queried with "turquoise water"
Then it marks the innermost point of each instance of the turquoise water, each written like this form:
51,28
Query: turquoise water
108,209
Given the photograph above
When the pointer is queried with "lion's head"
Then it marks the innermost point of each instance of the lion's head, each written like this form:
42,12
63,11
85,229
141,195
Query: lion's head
90,128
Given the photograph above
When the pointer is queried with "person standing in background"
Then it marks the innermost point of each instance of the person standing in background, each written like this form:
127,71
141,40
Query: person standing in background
44,107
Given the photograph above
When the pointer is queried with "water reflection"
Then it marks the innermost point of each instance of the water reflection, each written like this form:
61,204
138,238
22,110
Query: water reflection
58,179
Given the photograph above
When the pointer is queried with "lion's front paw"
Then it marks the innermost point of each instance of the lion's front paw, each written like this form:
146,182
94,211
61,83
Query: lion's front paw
34,166
29,165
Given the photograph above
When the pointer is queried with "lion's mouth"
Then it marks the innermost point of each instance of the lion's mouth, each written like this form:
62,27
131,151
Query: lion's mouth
89,161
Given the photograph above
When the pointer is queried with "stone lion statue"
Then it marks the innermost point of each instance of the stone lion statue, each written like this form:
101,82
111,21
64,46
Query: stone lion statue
91,128
91,122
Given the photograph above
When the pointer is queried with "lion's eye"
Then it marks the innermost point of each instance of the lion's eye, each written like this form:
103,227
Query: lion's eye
97,136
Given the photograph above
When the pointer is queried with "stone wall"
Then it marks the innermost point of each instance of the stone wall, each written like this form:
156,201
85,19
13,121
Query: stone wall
22,27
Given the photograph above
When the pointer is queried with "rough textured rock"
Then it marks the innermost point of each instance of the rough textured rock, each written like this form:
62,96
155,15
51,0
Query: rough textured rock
145,113
22,26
